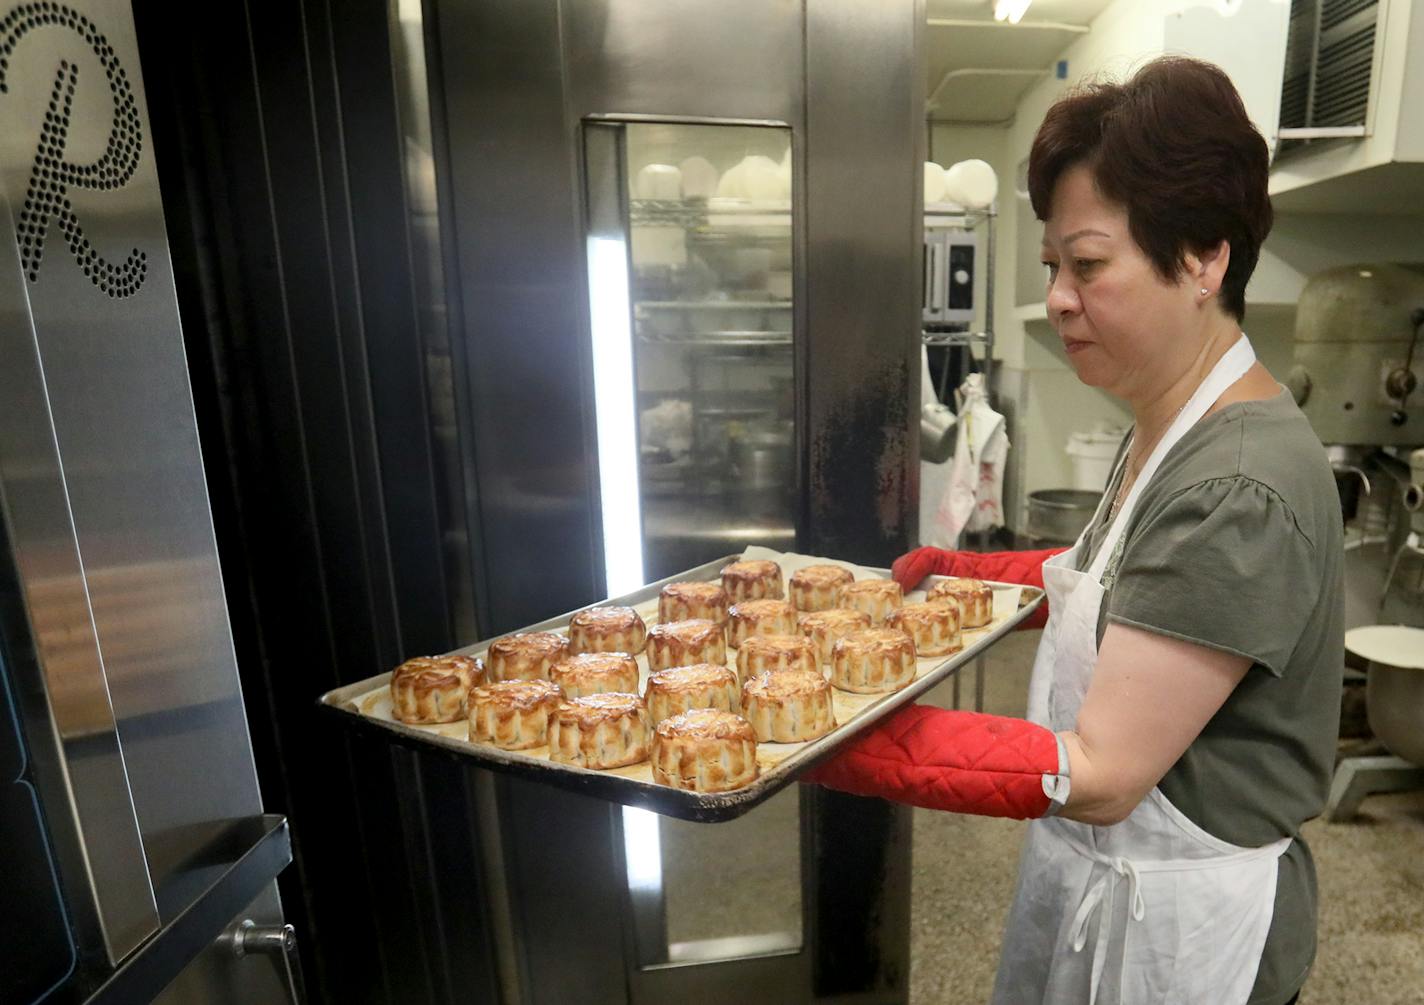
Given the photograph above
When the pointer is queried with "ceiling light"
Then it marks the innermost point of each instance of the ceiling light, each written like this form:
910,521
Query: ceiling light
1011,11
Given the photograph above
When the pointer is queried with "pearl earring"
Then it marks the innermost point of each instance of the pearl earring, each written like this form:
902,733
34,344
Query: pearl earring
1204,291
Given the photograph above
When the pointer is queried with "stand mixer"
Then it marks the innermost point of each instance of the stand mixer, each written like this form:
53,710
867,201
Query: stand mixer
1357,376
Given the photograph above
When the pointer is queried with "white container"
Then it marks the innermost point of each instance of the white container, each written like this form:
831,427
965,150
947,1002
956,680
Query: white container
1092,455
699,178
659,181
934,182
971,183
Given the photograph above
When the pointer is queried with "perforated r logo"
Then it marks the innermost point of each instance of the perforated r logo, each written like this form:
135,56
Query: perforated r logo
47,198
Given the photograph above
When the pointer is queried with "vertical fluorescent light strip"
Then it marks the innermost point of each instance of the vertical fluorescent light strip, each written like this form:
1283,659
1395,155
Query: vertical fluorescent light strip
642,850
614,404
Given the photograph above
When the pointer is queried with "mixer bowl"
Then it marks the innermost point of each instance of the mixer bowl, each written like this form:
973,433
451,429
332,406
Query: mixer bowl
1394,694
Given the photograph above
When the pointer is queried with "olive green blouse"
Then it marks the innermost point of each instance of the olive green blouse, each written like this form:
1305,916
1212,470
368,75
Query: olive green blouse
1236,544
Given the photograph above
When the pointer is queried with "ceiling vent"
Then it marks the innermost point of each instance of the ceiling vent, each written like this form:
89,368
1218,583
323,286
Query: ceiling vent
1330,56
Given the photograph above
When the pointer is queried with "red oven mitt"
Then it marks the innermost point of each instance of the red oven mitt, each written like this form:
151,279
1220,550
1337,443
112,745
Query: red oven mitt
964,762
1025,567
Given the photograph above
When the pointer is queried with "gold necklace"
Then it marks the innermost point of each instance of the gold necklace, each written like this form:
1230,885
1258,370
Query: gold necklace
1129,475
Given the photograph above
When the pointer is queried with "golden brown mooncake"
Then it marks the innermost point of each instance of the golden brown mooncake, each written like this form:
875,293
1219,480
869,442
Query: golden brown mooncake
688,601
595,673
433,689
788,707
818,587
680,689
759,617
607,630
525,656
776,654
873,660
933,626
704,750
513,714
824,627
680,643
975,598
754,579
599,731
876,597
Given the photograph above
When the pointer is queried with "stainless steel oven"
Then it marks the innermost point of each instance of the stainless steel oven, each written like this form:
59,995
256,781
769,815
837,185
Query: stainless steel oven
400,380
950,272
137,861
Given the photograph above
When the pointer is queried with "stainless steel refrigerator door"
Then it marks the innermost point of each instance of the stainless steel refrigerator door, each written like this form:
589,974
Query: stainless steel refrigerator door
525,87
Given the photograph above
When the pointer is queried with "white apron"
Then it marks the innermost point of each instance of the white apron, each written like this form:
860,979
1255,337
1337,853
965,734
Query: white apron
1153,909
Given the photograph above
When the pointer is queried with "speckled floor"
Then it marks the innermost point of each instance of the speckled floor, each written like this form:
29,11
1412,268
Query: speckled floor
1371,876
1371,886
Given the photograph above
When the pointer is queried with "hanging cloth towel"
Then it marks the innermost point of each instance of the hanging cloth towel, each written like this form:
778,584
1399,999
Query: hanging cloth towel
934,476
974,499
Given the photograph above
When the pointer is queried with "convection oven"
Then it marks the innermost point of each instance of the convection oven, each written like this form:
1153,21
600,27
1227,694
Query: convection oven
136,858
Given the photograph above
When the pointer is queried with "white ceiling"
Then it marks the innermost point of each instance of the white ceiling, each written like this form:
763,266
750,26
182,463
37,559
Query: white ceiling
977,68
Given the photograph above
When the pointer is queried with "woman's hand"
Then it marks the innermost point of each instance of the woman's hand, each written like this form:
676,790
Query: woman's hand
963,762
1150,697
1025,567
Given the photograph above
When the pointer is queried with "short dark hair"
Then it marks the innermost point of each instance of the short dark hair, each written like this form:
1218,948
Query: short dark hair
1175,147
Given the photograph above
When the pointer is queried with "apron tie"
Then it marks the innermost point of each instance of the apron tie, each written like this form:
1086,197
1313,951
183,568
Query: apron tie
1104,889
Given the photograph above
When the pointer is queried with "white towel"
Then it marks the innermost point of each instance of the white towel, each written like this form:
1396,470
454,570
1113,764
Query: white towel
974,497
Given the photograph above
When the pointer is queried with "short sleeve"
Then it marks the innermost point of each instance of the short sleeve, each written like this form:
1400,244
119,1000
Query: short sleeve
1222,563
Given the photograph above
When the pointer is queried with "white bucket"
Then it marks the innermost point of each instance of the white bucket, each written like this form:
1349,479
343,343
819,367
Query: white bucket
1092,454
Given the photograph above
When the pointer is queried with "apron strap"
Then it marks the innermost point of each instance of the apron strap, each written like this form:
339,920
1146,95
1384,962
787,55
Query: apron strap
1228,370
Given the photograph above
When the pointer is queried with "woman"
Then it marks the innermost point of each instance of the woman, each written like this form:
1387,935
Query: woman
1184,701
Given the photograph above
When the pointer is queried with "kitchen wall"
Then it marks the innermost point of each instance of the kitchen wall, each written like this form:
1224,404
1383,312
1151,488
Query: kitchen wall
1037,390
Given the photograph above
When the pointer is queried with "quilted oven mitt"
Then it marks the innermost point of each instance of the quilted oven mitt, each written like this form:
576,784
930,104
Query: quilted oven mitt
1025,567
964,762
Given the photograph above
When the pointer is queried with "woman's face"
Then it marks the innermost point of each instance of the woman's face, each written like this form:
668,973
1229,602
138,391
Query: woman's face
1124,327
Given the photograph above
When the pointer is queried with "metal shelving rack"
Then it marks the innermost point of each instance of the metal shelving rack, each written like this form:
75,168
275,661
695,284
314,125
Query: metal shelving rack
713,334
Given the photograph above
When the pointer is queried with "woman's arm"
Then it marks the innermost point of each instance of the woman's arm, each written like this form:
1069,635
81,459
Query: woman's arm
1151,696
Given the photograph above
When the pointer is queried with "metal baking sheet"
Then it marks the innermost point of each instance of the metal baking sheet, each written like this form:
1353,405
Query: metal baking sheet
366,705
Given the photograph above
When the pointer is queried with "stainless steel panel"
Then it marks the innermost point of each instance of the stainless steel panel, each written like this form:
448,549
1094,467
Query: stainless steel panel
749,906
220,975
517,268
863,296
76,161
685,58
862,401
238,865
89,776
